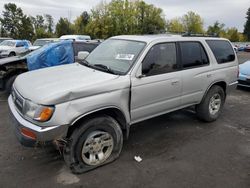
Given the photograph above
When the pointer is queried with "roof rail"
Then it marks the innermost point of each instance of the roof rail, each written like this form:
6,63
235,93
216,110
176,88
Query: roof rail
199,35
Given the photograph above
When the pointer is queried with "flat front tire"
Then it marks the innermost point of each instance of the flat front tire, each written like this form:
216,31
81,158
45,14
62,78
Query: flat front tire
210,107
96,142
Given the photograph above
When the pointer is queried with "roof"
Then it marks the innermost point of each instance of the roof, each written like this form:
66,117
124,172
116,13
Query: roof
158,37
16,40
48,39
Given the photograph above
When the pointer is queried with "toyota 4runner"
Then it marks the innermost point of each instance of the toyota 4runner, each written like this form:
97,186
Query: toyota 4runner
88,107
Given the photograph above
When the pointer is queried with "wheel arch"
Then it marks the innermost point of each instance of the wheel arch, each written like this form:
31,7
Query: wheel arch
111,111
221,83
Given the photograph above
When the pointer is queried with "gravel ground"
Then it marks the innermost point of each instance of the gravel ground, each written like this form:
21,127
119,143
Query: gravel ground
177,150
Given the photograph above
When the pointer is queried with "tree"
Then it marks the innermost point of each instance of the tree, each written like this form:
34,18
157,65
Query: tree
247,25
40,28
49,22
175,26
125,17
81,22
26,31
216,29
63,27
233,34
192,23
12,20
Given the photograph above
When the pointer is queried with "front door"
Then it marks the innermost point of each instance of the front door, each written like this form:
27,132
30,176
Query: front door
158,90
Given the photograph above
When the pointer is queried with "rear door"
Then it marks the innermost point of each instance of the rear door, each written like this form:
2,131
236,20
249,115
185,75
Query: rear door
158,90
20,47
196,75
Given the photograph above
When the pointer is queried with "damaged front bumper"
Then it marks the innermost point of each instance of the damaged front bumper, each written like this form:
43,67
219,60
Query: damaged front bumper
30,134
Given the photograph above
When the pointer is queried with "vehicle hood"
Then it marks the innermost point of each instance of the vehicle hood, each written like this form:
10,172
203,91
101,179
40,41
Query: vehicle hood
64,83
10,60
245,68
5,48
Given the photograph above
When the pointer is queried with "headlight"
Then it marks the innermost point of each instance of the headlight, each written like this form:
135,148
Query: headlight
4,50
37,112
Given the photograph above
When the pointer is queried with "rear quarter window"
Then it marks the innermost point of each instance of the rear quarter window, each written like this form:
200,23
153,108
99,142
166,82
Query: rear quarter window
222,50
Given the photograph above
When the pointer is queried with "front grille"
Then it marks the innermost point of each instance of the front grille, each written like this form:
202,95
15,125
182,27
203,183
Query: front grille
18,100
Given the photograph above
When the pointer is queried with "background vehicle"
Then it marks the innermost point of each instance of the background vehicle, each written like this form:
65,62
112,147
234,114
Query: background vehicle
89,107
13,47
247,48
244,74
76,37
12,66
41,42
5,38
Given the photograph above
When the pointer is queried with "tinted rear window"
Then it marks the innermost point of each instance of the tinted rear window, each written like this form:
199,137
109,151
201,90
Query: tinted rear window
222,50
193,55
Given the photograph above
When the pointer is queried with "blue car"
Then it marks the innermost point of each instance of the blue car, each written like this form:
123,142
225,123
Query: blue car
52,54
244,74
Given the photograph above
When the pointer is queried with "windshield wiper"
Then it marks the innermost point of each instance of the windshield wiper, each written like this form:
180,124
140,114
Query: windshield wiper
84,62
105,68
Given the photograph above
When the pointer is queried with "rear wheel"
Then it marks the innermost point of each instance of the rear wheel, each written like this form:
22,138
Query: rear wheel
96,142
210,107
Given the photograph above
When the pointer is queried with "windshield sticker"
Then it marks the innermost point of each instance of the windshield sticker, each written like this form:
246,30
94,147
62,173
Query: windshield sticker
127,57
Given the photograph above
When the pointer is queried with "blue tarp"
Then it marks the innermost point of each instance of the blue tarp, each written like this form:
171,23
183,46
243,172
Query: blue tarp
52,54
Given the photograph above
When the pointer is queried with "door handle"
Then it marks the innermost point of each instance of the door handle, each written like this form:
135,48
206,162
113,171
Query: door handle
209,75
175,82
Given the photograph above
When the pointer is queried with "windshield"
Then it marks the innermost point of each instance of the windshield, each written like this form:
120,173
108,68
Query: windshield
41,42
7,43
115,54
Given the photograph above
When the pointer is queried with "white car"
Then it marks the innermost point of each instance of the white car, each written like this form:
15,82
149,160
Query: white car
75,37
13,47
41,42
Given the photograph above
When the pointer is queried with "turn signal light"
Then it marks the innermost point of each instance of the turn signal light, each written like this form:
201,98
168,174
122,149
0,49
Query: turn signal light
45,114
27,133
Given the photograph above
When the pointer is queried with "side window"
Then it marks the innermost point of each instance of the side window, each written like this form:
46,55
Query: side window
193,55
222,50
20,44
160,59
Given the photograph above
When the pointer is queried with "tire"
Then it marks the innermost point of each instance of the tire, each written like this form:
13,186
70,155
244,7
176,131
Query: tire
9,83
85,137
12,54
210,107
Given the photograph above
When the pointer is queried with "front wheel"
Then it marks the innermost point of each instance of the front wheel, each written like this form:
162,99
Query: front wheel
210,107
96,142
12,54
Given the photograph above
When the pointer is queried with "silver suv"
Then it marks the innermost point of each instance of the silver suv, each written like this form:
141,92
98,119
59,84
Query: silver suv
88,107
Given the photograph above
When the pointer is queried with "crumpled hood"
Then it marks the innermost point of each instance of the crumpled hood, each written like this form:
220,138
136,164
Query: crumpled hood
63,83
245,68
5,48
10,59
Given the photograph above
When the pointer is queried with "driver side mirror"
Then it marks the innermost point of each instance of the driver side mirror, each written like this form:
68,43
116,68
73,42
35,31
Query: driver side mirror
82,55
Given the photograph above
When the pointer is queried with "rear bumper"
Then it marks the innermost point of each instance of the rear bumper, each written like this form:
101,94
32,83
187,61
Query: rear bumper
231,87
42,134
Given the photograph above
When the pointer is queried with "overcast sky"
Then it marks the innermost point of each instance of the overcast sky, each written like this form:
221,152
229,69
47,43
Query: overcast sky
230,12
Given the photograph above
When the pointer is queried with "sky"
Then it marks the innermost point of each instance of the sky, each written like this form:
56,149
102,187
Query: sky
230,12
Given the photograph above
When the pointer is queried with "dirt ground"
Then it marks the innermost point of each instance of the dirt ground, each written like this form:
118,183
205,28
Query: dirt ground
177,150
